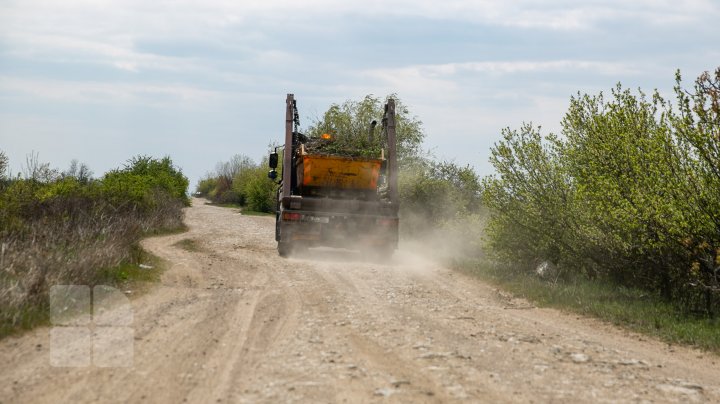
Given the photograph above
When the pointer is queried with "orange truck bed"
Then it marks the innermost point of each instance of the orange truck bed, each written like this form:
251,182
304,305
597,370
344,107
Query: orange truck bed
338,172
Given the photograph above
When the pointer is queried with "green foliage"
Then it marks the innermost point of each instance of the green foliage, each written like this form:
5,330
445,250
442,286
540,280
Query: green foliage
349,125
240,181
71,229
247,173
258,191
620,162
630,192
223,186
3,165
529,196
141,177
79,171
438,196
206,185
439,190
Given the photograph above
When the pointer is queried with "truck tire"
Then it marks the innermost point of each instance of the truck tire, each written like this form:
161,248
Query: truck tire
277,226
284,248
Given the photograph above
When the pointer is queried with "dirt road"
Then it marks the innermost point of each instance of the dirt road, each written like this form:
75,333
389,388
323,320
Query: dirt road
234,322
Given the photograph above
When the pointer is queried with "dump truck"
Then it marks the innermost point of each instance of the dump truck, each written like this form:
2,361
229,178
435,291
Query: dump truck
348,201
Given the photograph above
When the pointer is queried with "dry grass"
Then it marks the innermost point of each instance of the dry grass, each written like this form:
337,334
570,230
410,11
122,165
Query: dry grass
78,247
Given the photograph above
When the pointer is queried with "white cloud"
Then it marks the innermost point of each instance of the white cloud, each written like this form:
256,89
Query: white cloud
195,18
509,67
103,93
108,31
452,81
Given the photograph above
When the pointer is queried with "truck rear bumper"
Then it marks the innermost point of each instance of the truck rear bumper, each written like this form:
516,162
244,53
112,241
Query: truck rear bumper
328,206
338,230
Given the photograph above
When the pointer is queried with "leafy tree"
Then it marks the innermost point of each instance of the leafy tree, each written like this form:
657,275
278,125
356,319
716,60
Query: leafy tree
206,185
79,171
259,192
439,190
141,177
349,124
631,191
695,180
38,172
530,196
224,182
617,154
3,165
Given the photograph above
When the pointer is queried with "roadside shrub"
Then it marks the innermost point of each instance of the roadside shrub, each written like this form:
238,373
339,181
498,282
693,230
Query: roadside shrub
258,191
142,176
67,230
206,185
630,192
441,206
240,181
529,196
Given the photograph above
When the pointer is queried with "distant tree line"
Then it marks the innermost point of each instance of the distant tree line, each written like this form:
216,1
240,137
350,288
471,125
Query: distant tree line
240,181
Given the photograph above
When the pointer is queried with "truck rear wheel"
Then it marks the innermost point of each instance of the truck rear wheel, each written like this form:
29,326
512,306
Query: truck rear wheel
284,248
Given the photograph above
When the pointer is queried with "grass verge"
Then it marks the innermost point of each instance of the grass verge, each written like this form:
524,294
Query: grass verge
632,309
135,274
142,268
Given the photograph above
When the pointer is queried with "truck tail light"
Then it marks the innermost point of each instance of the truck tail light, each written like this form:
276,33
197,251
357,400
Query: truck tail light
291,216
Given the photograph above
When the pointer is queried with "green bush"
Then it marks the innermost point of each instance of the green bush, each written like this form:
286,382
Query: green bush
140,178
260,192
630,192
531,197
240,181
206,185
440,204
68,229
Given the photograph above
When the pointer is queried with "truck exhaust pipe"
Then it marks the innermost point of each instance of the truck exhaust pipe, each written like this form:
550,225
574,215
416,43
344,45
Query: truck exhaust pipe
371,135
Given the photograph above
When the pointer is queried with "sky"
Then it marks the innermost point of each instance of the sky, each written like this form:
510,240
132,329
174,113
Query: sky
104,80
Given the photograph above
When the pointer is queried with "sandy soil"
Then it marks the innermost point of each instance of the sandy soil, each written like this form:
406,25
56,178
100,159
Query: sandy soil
236,323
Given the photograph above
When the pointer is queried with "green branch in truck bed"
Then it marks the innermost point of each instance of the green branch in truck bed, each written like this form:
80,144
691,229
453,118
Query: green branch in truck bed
344,146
